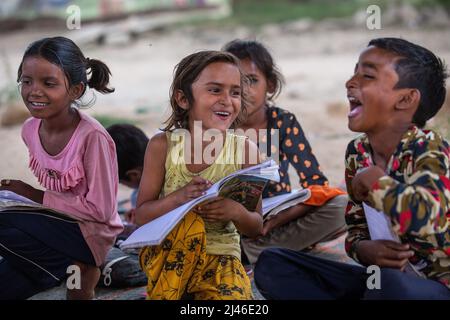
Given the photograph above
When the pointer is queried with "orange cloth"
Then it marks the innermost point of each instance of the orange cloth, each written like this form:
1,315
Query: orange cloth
321,194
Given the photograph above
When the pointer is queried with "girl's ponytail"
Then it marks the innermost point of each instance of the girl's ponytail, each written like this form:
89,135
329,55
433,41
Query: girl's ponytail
99,75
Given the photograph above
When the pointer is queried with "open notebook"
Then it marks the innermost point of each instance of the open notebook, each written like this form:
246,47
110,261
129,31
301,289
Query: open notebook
244,186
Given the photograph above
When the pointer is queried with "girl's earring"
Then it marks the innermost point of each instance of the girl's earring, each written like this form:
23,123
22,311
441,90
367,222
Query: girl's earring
76,103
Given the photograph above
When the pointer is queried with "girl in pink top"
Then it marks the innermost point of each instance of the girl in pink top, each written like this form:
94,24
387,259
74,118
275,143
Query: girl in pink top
74,159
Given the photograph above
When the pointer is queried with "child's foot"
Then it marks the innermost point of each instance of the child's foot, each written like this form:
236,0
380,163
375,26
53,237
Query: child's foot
89,279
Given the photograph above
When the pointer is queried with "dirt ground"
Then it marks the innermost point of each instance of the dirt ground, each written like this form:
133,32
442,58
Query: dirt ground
315,61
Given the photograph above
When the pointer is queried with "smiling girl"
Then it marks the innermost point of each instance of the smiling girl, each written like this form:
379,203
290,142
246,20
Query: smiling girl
74,160
321,217
201,256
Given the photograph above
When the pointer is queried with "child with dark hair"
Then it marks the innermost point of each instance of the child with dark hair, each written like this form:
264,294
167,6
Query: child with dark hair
395,167
74,159
321,217
131,143
200,257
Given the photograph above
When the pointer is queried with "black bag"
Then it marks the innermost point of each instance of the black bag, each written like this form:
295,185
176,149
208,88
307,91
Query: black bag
121,270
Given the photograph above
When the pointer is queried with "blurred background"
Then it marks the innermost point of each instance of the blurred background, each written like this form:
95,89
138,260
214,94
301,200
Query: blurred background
315,44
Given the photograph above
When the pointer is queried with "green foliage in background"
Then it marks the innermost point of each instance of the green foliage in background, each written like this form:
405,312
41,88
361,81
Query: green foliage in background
107,121
8,94
427,3
258,12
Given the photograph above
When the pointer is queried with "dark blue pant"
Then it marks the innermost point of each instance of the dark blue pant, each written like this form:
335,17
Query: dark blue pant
36,251
284,274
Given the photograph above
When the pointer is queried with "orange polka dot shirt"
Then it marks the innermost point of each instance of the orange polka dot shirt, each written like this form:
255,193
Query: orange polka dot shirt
294,149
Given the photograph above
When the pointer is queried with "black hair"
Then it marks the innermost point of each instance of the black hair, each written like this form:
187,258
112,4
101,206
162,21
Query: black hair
65,54
186,73
131,143
418,68
260,56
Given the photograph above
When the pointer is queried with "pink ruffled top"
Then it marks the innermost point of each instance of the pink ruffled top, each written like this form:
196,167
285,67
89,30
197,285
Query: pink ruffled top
81,180
57,180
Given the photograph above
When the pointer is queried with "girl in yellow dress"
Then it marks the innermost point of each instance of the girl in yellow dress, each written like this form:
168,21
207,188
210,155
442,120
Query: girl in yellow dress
200,258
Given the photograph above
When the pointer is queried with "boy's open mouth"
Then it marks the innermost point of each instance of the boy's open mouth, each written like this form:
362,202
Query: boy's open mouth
355,106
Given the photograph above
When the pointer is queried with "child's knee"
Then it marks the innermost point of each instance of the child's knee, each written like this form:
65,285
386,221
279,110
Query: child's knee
337,205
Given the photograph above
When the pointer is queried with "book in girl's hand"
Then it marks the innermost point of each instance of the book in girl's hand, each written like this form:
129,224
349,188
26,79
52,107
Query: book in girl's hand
244,186
13,202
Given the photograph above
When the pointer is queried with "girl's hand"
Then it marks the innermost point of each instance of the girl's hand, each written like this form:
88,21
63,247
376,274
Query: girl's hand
363,181
194,189
23,189
272,223
284,217
220,209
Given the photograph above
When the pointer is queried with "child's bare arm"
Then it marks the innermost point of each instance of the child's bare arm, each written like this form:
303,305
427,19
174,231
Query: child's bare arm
285,217
23,189
149,205
249,223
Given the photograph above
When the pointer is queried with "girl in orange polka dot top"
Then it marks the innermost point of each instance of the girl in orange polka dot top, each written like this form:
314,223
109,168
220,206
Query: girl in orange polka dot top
319,219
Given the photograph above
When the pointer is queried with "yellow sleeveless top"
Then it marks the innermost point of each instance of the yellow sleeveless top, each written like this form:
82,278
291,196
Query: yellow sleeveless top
222,238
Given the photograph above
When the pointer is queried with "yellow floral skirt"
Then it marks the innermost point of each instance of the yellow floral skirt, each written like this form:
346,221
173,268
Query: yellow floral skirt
179,268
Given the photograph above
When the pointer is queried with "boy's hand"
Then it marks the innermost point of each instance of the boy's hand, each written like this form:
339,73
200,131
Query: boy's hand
384,253
23,189
194,189
220,209
363,181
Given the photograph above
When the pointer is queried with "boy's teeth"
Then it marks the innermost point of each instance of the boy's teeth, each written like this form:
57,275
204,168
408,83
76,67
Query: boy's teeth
222,113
